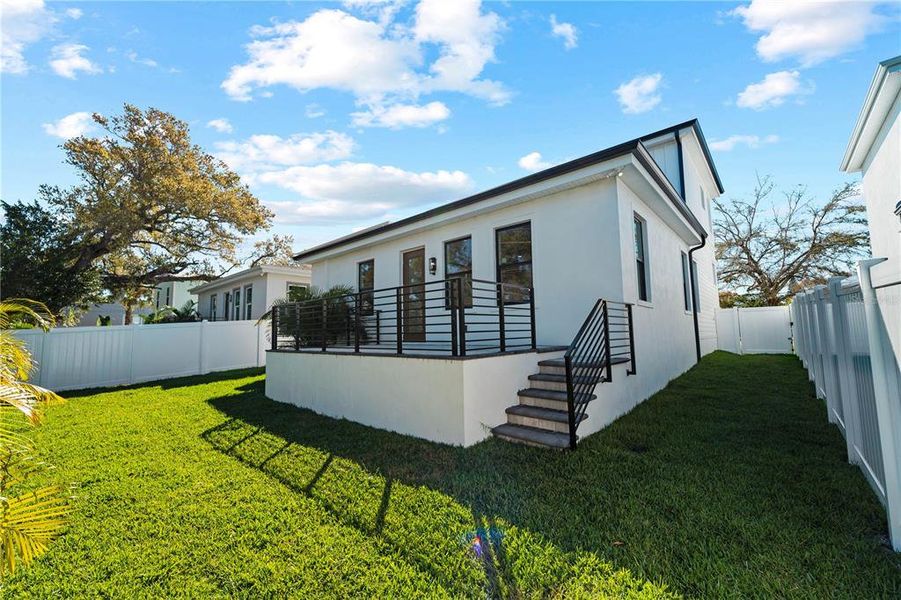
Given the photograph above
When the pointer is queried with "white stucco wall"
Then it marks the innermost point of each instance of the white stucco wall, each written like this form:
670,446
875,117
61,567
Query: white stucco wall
881,190
574,249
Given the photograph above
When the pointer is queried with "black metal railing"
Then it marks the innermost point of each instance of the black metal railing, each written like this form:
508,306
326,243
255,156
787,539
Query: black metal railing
449,317
605,338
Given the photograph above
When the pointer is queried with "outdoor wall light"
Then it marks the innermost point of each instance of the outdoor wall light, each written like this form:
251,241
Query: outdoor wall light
433,265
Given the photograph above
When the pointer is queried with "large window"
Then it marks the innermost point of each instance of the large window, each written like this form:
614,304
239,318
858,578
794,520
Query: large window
236,301
514,261
641,251
228,304
458,265
296,291
694,291
213,306
686,284
248,302
365,285
168,295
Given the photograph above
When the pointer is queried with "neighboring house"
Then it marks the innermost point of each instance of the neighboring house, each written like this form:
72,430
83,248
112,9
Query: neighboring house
604,255
874,150
170,293
174,294
249,293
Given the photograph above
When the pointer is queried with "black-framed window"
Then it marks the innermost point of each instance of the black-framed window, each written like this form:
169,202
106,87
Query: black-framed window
236,303
458,265
296,291
213,306
228,304
641,266
365,285
248,302
686,284
695,295
514,260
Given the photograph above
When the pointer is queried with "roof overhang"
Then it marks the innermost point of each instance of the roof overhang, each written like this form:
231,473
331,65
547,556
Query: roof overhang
881,96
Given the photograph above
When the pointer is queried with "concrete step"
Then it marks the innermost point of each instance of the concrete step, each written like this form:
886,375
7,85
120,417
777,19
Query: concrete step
557,381
557,366
532,436
540,418
549,398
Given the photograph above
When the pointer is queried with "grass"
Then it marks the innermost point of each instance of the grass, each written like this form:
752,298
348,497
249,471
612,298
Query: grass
728,483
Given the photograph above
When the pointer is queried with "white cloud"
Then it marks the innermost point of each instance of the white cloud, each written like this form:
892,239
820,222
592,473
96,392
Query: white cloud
220,125
147,62
381,62
640,94
261,153
751,141
566,31
808,30
773,90
74,13
533,162
352,191
402,115
24,22
67,61
73,125
314,111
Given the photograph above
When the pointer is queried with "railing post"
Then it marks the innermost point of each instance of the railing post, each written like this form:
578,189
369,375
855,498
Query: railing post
274,320
324,325
398,319
461,319
532,318
296,327
358,302
607,343
347,329
570,401
502,330
451,293
631,370
378,327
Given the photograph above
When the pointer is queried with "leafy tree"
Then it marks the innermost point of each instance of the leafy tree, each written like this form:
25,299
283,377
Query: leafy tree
37,256
151,206
765,255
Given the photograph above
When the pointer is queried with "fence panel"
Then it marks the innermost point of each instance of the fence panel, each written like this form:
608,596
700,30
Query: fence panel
757,330
843,342
70,358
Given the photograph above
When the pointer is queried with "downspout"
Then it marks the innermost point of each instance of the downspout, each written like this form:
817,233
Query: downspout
694,301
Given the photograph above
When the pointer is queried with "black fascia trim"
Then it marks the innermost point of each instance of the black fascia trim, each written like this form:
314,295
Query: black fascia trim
555,171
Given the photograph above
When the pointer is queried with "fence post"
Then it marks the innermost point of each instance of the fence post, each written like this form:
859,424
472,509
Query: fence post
201,355
885,388
358,303
846,377
461,319
324,325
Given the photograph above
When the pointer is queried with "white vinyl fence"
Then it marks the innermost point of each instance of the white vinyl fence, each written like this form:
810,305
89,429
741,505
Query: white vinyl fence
758,330
71,358
843,342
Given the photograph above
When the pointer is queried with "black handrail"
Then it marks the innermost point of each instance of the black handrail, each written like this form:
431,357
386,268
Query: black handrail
454,317
590,357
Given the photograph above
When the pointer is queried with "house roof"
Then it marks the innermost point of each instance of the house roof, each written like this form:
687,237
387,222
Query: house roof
881,95
299,271
555,171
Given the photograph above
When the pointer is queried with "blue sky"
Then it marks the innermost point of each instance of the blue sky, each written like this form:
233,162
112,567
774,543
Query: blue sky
342,115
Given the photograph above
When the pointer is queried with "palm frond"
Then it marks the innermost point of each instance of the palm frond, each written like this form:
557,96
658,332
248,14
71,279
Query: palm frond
28,523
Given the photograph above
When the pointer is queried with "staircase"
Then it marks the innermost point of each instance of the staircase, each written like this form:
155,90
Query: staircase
552,407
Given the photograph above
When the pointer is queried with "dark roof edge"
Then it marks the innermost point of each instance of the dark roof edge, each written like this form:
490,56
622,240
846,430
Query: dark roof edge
654,170
555,171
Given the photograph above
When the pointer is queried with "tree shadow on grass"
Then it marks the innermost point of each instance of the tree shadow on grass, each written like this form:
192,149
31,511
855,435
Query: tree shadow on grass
707,488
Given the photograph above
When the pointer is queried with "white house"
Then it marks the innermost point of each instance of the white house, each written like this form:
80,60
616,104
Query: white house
874,150
170,293
249,293
464,316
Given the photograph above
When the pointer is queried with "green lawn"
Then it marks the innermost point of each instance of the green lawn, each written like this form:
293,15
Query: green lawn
728,483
